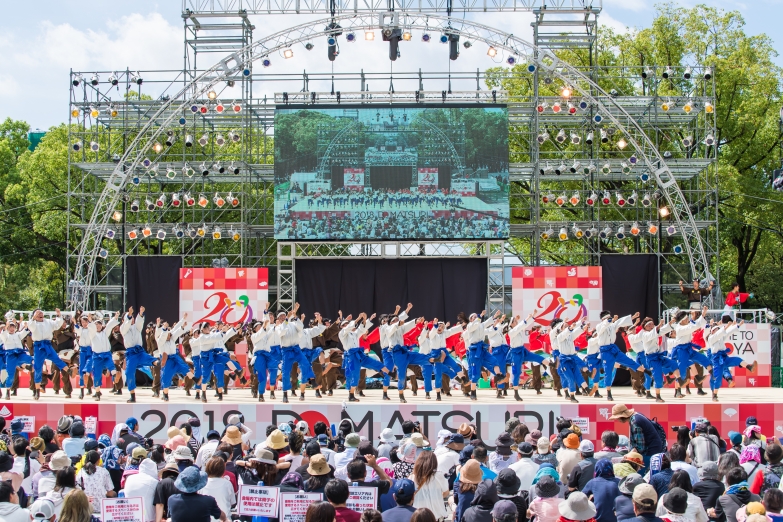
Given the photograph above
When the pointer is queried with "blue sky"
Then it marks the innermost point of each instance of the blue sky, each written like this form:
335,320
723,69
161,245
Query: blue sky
40,44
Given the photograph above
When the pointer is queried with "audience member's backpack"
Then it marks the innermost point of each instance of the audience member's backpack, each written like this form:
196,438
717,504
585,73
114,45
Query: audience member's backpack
772,475
451,476
659,430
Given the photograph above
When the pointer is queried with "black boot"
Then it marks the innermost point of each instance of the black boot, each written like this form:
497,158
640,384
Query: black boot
352,397
658,397
688,390
204,397
132,397
198,394
499,394
97,396
649,395
293,392
505,392
427,395
558,393
437,396
301,396
8,394
714,396
573,399
701,392
255,394
318,394
285,397
187,392
567,395
220,396
155,395
329,393
516,396
598,395
473,395
272,394
165,397
414,391
81,393
609,395
402,397
386,396
361,393
260,397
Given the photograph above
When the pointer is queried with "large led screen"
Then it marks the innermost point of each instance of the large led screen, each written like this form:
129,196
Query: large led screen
391,173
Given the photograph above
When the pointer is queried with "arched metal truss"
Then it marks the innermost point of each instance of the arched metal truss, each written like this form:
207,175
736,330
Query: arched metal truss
239,65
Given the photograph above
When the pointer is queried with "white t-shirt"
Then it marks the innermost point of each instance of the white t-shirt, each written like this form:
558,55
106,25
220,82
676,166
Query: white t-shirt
430,495
35,467
447,459
222,491
95,486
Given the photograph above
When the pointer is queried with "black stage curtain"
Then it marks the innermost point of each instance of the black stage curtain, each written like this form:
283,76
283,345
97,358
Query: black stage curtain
630,285
437,287
153,282
390,177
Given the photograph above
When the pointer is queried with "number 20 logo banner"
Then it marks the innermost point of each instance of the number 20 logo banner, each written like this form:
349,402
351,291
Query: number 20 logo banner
229,295
566,292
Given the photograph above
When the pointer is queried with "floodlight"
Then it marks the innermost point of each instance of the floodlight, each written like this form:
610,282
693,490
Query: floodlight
117,216
652,228
146,162
687,108
157,147
648,73
219,167
220,140
632,198
646,200
511,60
233,200
667,73
136,78
187,171
657,195
621,143
77,80
219,200
561,136
687,141
192,232
598,118
149,204
663,212
113,79
161,234
565,92
635,229
235,137
201,231
546,234
425,37
406,34
589,138
546,198
560,169
266,62
708,73
178,232
146,231
560,200
591,232
491,52
134,205
110,233
576,139
235,235
175,200
605,233
103,253
606,169
571,108
77,146
153,170
626,168
220,108
544,169
588,169
212,95
542,138
578,232
574,199
666,105
563,234
556,108
583,105
94,146
369,35
171,138
541,107
604,136
709,140
133,233
203,140
216,233
189,200
95,80
620,199
188,140
94,112
606,199
592,199
288,53
575,167
74,112
620,234
709,108
202,201
633,160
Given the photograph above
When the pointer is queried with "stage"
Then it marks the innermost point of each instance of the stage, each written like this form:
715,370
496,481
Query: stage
372,414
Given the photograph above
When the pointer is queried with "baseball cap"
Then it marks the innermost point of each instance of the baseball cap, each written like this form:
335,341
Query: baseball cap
323,440
751,421
213,434
543,445
404,489
352,440
504,507
525,448
42,509
645,495
454,438
586,446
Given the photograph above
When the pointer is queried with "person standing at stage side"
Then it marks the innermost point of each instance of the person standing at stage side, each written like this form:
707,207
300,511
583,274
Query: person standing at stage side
716,338
684,325
734,300
14,353
41,330
606,331
135,356
314,355
354,358
655,353
478,355
537,341
519,354
171,360
695,293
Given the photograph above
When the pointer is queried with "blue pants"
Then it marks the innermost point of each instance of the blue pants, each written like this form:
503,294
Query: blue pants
448,367
265,362
403,357
85,362
312,355
611,354
207,366
196,367
519,356
660,366
593,362
13,360
569,371
721,362
175,365
500,353
388,363
291,355
100,362
43,351
220,360
478,358
135,357
354,360
685,356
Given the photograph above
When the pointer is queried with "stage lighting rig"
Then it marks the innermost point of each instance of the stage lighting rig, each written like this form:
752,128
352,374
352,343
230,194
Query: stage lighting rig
77,80
95,80
332,51
136,78
113,80
393,35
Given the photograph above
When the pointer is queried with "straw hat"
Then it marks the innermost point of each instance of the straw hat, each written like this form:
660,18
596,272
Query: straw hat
318,465
233,436
471,472
276,440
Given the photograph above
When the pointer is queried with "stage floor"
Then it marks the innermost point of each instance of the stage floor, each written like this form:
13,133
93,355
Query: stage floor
374,397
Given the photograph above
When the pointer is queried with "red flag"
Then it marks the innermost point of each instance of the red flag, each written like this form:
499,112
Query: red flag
369,339
581,341
698,338
412,338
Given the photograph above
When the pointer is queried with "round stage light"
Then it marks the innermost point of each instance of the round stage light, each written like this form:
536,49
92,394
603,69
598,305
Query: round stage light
369,35
511,60
492,52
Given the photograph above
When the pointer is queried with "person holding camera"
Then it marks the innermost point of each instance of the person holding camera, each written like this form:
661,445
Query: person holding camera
703,447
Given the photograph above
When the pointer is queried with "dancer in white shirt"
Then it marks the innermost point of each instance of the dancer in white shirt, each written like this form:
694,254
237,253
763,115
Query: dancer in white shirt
135,355
41,330
478,354
684,353
14,354
606,331
101,352
354,358
721,361
519,354
171,360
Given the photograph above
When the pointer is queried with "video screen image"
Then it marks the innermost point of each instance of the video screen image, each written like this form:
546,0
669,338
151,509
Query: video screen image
391,173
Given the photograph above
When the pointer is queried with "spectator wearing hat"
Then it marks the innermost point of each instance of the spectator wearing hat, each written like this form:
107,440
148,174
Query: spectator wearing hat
45,474
484,500
545,506
645,500
525,468
507,485
16,429
236,420
403,492
46,482
143,484
631,462
568,455
709,488
642,432
582,473
737,495
74,445
352,441
674,505
502,457
703,447
623,504
319,473
165,489
505,511
387,442
63,429
183,457
448,454
208,448
603,488
466,430
735,438
543,453
189,505
311,449
470,475
577,508
694,509
233,436
407,455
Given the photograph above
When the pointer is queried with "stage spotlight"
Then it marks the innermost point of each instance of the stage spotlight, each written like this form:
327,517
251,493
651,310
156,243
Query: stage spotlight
369,35
146,231
77,146
571,108
149,204
220,108
178,232
589,138
135,179
171,138
94,146
157,147
77,80
591,199
687,73
235,235
626,168
542,138
511,60
546,198
574,199
153,170
192,232
575,167
134,205
212,95
546,169
632,198
560,169
687,141
606,199
565,92
425,37
531,67
667,73
598,118
666,105
491,52
578,232
591,232
203,140
103,253
234,168
621,201
621,143
560,200
588,169
709,140
266,62
583,105
406,34
556,107
548,80
201,231
204,169
541,107
708,73
136,78
678,249
288,53
635,229
189,200
133,233
202,201
117,216
161,202
606,169
561,136
620,234
604,136
709,108
605,233
219,200
657,195
687,108
219,167
233,200
236,137
95,80
220,140
94,112
187,171
216,233
188,140
110,233
74,112
652,228
633,160
646,200
648,73
663,212
563,234
546,234
161,234
183,121
175,200
113,79
576,139
146,162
